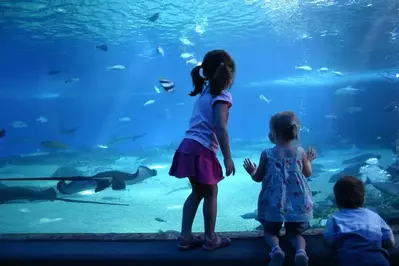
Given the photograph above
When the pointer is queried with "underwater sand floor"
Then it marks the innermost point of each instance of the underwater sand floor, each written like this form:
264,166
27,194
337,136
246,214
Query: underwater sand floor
152,206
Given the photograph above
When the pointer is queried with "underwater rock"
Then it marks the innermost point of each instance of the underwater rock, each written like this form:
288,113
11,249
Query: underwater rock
352,170
361,158
66,171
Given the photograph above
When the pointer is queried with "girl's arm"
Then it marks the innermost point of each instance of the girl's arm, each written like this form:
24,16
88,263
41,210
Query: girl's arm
220,119
260,171
306,163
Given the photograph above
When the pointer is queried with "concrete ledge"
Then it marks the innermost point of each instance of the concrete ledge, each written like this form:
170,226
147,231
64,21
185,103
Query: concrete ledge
117,249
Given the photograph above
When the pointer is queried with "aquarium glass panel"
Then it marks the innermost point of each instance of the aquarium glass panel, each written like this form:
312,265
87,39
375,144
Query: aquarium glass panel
94,98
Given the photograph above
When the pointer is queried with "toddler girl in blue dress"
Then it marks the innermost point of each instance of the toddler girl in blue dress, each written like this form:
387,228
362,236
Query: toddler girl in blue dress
285,196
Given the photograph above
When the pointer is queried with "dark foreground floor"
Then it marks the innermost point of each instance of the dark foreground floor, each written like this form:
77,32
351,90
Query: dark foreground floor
250,251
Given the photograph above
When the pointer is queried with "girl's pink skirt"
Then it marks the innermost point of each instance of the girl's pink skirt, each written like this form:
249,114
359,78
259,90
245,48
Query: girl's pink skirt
193,160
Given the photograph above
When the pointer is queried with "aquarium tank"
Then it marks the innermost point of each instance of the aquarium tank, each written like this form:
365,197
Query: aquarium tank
94,102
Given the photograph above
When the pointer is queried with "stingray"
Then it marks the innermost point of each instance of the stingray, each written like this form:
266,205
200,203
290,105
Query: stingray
13,193
83,182
97,182
117,180
361,158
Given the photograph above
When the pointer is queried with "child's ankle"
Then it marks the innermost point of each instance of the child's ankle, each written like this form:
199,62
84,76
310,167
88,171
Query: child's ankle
186,236
275,248
210,237
301,251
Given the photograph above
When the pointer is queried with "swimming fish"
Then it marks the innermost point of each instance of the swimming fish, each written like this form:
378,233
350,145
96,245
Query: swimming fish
392,107
96,185
186,55
348,90
323,69
392,77
142,174
167,85
192,61
185,41
330,116
154,17
362,158
160,220
149,102
263,98
120,139
306,68
337,73
116,67
157,90
41,119
53,145
68,130
160,51
19,124
102,146
72,80
102,47
13,193
54,72
354,109
391,189
124,119
250,215
2,133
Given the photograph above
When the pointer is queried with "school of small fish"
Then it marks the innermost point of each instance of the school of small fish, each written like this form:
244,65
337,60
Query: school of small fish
168,86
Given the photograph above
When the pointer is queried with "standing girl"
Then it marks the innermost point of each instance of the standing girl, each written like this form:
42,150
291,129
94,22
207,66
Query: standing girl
196,156
285,196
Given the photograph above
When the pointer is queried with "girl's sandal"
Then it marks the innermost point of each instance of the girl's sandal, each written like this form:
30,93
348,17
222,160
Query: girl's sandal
216,243
195,242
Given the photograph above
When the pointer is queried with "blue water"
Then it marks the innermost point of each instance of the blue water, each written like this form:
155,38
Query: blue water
267,39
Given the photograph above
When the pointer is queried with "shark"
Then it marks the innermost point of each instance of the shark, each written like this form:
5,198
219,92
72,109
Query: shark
387,188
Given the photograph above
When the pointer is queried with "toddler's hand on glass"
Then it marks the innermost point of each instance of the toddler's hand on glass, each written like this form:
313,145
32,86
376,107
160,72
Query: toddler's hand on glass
311,153
249,166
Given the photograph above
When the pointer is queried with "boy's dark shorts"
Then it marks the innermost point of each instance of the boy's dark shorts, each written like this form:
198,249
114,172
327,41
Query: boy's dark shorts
291,228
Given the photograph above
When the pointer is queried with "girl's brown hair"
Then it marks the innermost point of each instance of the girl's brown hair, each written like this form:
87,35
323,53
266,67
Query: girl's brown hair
285,126
218,68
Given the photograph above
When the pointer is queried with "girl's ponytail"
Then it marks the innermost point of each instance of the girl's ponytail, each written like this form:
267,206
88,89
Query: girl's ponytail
220,81
198,81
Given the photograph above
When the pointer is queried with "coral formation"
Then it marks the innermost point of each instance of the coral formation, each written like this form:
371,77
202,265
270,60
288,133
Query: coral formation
374,172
